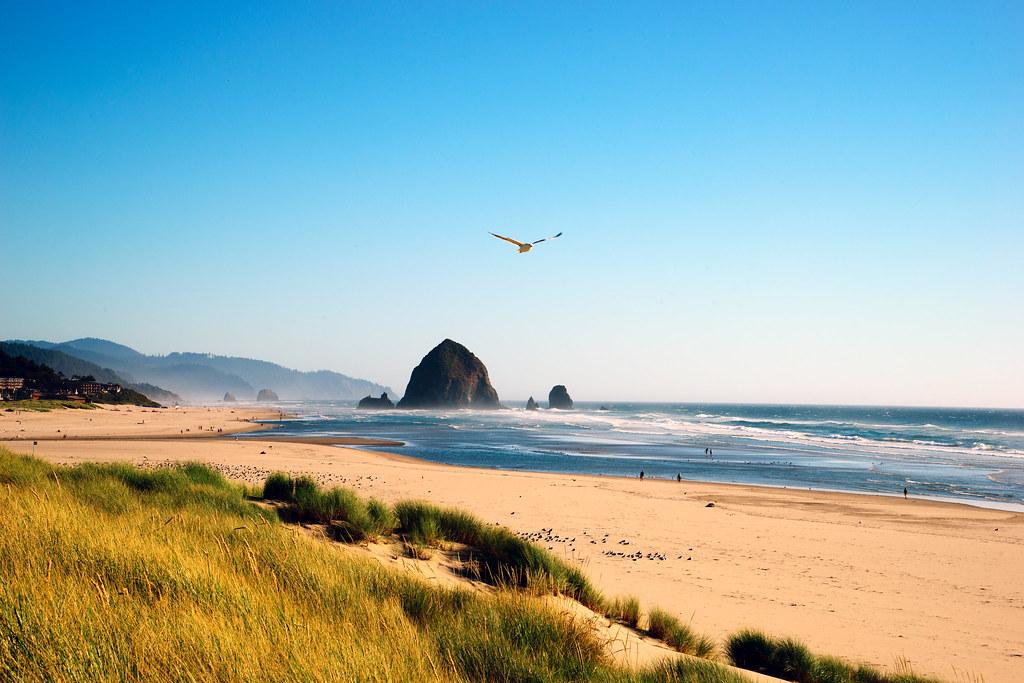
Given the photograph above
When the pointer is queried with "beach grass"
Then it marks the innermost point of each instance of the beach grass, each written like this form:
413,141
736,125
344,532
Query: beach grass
45,406
117,573
502,557
114,572
349,517
791,660
677,635
625,610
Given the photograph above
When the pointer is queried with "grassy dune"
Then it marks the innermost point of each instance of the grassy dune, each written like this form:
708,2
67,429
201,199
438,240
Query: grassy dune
44,406
111,572
791,660
115,573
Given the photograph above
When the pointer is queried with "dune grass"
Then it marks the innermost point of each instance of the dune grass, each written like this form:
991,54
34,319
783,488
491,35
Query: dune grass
793,661
677,635
112,572
349,517
503,557
116,573
625,610
44,406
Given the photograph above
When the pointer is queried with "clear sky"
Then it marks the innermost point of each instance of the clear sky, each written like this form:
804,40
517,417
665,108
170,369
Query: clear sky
779,202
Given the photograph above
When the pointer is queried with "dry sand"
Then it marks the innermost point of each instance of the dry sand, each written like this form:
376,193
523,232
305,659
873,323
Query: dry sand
874,579
112,422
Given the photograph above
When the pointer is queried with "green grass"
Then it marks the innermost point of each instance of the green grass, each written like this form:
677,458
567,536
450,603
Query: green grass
115,573
677,635
112,572
349,517
503,558
44,406
625,610
688,671
793,661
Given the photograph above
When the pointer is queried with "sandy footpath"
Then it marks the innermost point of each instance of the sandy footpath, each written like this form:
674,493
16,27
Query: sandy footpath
874,579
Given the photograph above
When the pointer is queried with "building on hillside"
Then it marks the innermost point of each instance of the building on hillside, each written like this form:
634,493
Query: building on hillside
96,388
10,387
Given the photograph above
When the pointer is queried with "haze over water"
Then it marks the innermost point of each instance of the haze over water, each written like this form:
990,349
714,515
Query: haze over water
968,455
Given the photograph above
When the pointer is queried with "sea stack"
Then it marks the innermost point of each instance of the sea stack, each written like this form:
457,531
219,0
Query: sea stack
266,395
559,398
450,376
229,397
531,404
380,403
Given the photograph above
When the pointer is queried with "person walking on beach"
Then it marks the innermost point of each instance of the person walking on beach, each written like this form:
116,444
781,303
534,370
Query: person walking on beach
641,474
904,493
679,478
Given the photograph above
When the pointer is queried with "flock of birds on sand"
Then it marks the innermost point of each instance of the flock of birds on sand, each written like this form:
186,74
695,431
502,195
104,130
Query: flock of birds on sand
549,537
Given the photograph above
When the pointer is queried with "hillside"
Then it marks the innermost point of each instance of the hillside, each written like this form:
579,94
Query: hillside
55,361
207,377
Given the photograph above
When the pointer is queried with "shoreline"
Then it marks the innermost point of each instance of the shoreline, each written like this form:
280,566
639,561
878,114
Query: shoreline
869,577
344,441
400,457
249,427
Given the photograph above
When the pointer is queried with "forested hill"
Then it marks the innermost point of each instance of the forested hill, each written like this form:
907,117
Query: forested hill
207,377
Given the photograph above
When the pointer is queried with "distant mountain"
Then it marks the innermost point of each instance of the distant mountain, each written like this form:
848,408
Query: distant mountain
61,362
50,361
205,377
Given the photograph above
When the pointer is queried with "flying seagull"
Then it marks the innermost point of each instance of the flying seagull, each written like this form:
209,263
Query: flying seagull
525,246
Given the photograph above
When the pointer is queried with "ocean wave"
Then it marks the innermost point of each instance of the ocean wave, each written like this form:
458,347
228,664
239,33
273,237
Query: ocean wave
851,437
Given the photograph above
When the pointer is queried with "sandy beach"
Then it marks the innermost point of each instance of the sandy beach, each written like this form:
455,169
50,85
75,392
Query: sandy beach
126,421
874,579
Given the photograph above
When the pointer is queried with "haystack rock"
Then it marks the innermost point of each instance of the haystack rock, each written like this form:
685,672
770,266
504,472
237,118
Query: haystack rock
450,376
266,395
559,398
229,397
531,404
371,402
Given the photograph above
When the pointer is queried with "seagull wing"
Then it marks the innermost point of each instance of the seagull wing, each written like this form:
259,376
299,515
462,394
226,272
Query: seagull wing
546,238
509,239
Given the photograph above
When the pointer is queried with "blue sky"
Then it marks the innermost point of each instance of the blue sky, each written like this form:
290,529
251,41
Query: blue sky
806,202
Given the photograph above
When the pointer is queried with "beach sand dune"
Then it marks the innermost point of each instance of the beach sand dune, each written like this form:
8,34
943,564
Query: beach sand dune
874,579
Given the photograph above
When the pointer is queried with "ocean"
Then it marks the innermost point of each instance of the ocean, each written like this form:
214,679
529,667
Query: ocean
966,455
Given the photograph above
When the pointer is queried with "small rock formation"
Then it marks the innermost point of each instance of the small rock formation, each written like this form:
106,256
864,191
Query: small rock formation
450,376
531,404
266,395
371,402
559,398
229,397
